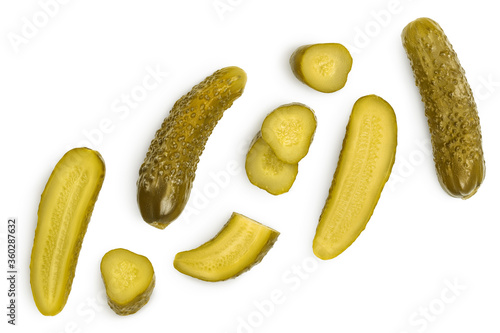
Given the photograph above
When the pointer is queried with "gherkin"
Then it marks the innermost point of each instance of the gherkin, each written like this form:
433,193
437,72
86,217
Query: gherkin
449,106
168,171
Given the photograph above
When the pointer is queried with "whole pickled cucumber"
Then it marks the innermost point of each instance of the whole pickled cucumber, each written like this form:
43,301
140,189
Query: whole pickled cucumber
168,171
63,216
449,106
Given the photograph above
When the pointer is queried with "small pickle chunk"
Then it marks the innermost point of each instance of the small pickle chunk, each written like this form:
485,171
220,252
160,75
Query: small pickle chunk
64,213
289,131
129,279
266,171
449,106
323,67
168,171
241,244
364,166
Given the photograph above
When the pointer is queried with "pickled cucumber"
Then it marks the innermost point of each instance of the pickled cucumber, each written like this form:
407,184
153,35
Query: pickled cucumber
323,67
241,244
168,171
289,131
266,171
364,166
449,106
129,279
63,216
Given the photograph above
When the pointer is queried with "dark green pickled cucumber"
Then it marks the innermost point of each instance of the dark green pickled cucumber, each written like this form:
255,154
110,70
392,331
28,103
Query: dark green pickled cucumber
449,106
168,171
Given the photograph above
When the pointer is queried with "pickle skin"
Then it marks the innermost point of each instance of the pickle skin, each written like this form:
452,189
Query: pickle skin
168,171
449,107
241,244
141,297
364,166
64,212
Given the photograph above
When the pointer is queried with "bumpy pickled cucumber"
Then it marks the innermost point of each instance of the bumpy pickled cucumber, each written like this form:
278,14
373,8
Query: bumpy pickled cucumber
266,171
63,216
168,171
449,106
129,279
289,131
323,67
240,245
364,166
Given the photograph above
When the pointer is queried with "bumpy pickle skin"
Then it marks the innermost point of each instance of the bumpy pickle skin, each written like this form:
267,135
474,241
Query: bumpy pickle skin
168,171
129,279
266,171
241,244
449,106
64,212
323,67
364,166
289,131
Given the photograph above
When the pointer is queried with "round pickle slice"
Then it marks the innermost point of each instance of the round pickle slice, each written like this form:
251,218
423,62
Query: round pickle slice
129,279
289,131
323,67
266,171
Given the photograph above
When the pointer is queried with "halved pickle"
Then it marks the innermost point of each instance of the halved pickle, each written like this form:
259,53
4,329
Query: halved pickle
364,166
64,212
241,244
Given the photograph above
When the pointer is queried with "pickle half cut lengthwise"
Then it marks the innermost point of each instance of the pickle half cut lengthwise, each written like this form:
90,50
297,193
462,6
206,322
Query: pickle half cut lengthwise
64,212
129,279
449,106
241,244
364,166
168,171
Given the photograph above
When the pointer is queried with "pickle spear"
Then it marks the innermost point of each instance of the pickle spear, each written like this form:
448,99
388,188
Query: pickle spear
241,244
449,106
168,171
64,212
364,166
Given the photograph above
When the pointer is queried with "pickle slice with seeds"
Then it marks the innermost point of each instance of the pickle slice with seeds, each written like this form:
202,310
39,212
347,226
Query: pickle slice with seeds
129,279
289,131
266,171
323,67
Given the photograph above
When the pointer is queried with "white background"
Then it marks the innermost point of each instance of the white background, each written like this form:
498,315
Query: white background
69,76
